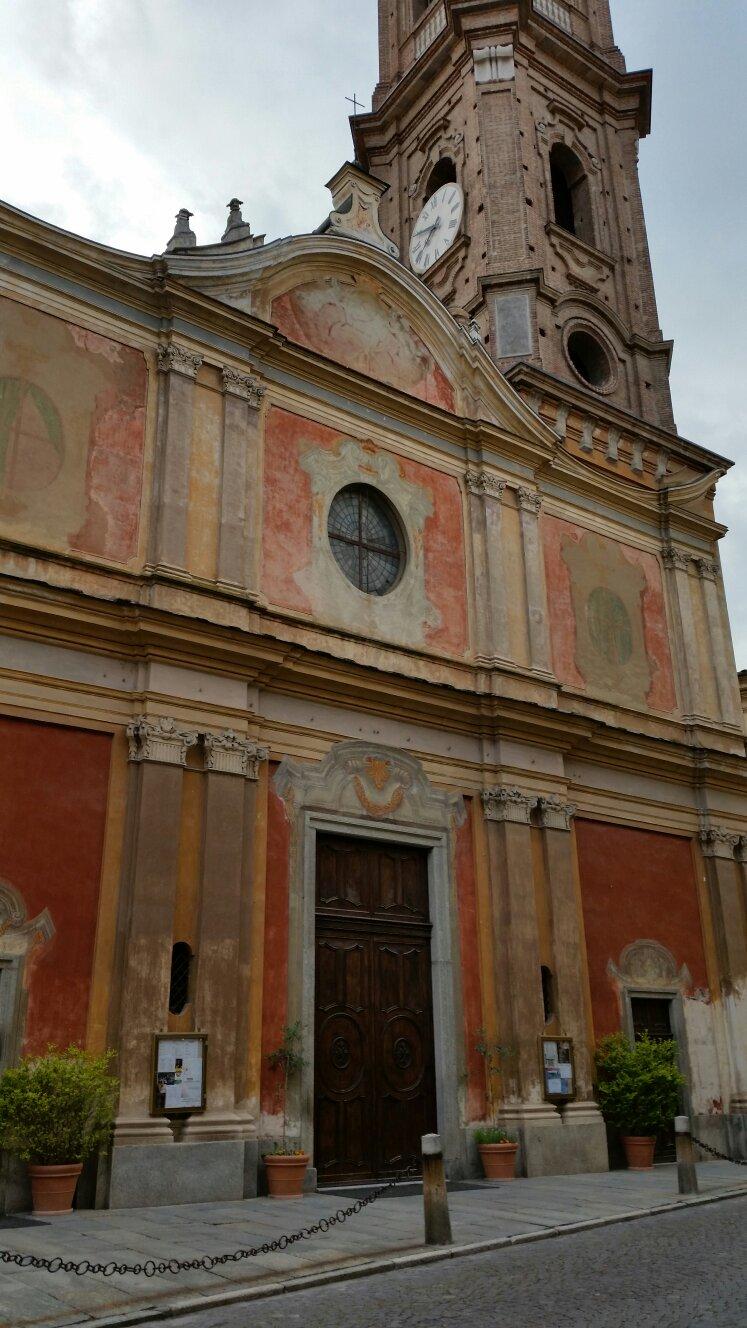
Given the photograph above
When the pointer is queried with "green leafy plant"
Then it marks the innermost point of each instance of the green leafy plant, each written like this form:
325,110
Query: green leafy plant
494,1054
638,1084
493,1134
288,1059
57,1108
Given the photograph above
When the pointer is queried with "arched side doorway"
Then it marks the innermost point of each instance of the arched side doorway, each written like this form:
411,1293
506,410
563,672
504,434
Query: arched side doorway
373,796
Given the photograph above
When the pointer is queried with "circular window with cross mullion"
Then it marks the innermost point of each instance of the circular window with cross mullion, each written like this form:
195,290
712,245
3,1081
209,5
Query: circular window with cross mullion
365,538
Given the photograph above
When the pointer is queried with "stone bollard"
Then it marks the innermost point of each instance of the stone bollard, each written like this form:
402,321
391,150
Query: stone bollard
687,1176
435,1201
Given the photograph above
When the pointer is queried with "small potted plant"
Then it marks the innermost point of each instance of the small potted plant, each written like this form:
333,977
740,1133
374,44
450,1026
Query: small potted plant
639,1087
286,1166
55,1111
497,1148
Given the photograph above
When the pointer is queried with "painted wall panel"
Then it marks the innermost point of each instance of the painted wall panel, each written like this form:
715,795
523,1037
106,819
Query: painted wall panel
72,435
53,796
306,464
470,963
203,513
348,319
275,987
607,617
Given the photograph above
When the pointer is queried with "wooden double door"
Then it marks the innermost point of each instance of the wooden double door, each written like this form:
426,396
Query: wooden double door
374,1083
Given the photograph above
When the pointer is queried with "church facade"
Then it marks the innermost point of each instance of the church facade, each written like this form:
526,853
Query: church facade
366,668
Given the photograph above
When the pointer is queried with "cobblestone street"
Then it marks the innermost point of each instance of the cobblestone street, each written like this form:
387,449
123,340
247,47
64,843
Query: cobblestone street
676,1270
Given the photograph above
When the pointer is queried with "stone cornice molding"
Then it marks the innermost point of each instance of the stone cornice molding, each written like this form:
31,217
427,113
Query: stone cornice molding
228,754
246,386
529,500
484,485
508,805
718,842
555,814
175,359
159,740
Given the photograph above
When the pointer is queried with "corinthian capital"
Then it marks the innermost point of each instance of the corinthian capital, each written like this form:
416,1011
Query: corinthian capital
718,842
245,386
159,740
555,814
175,359
228,754
529,500
484,485
707,569
507,804
676,558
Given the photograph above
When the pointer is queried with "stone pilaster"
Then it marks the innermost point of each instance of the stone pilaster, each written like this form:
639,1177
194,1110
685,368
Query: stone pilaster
723,663
485,498
232,768
677,564
237,553
724,854
158,750
178,369
530,506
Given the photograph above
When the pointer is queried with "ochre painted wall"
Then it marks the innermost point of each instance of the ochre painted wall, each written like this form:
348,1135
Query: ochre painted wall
635,885
53,796
470,959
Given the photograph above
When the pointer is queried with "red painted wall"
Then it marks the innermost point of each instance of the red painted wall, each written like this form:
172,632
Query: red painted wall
275,977
635,885
469,954
53,796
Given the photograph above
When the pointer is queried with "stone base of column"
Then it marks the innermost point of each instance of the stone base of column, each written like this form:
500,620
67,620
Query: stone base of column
133,1130
216,1125
150,1176
556,1142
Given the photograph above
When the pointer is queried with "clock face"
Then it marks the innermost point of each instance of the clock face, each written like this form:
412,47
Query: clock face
436,227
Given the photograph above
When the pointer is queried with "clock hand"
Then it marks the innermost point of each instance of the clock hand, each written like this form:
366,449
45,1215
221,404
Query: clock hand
427,231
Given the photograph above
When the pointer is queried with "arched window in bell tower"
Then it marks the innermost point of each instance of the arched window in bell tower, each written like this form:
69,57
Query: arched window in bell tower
571,194
444,172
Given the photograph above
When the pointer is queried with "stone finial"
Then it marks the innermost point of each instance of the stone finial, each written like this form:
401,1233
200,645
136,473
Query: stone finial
507,804
236,227
228,754
159,740
356,196
183,237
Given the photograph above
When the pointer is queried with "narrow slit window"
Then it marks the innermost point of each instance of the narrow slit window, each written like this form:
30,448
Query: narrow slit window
181,968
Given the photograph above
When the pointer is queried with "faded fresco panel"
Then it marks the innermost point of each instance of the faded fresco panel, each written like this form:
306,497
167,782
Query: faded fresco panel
72,435
203,509
349,320
306,464
607,616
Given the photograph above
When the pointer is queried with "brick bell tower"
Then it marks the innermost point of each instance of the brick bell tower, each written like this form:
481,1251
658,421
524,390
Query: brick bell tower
528,107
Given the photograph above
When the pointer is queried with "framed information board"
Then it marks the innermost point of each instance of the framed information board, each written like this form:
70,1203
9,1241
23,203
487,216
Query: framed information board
179,1063
558,1069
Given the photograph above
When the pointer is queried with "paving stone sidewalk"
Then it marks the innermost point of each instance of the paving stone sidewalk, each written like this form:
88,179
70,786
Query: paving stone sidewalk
393,1226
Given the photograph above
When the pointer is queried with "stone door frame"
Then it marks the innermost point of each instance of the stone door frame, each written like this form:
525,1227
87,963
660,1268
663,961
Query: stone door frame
442,810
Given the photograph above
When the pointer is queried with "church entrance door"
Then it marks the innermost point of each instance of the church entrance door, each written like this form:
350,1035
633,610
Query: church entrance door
374,1082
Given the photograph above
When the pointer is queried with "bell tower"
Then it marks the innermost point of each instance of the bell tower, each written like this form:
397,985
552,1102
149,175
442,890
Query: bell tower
528,107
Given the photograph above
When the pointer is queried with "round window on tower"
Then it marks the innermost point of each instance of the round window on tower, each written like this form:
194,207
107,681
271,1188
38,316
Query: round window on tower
591,359
366,539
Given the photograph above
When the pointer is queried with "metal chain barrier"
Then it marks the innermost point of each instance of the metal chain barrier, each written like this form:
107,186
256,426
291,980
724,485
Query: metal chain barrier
158,1267
738,1161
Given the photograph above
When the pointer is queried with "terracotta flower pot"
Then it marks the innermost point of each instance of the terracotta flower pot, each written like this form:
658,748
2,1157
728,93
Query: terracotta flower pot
285,1174
52,1188
639,1151
499,1160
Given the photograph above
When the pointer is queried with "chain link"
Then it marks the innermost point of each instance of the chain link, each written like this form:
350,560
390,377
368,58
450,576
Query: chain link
159,1267
738,1161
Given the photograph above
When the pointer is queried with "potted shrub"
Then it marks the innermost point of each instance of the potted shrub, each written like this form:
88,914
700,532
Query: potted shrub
55,1111
497,1148
286,1165
638,1086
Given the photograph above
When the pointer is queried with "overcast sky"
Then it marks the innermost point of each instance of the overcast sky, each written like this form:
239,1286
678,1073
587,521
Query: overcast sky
115,113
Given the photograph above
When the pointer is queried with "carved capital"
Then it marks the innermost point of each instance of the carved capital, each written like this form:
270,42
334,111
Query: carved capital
676,558
159,740
742,849
484,485
507,804
555,814
245,386
529,500
175,359
707,569
228,754
717,842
